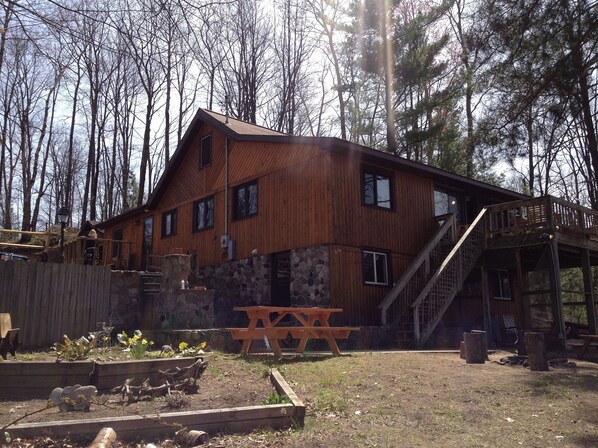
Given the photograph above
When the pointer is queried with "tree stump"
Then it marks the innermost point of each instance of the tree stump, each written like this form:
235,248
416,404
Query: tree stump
536,351
462,350
484,342
474,352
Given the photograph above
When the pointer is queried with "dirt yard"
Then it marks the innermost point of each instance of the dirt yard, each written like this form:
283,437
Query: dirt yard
399,399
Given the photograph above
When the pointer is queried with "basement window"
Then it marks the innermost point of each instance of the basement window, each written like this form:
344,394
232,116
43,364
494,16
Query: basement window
501,286
375,268
169,223
205,156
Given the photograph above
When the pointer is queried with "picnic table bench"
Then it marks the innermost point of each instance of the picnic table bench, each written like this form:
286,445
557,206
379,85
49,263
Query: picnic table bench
313,323
9,337
589,339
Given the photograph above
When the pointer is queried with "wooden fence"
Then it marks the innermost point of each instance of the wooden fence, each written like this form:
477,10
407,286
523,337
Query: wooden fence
48,300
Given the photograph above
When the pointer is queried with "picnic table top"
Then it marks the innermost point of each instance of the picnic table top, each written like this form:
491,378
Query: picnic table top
288,309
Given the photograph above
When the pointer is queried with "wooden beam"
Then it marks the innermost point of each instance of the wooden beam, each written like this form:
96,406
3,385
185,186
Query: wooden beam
589,290
22,246
556,295
523,297
486,304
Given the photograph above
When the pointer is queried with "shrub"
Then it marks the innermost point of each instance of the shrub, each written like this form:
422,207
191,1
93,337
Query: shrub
74,350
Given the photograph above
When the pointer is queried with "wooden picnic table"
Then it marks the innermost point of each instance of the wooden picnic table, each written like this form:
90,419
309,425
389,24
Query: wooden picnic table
589,338
313,323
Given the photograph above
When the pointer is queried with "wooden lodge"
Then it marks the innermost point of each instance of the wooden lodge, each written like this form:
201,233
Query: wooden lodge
273,219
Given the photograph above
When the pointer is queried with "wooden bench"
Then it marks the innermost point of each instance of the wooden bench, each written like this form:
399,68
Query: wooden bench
9,337
242,334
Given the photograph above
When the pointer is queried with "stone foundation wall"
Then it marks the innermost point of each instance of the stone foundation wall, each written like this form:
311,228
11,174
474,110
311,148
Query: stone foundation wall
247,282
126,307
310,284
235,283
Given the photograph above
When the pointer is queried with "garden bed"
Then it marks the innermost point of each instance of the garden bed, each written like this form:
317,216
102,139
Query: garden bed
39,378
152,425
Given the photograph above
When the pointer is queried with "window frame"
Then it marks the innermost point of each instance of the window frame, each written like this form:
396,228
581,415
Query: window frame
173,224
235,200
196,204
498,276
117,242
387,267
377,173
201,152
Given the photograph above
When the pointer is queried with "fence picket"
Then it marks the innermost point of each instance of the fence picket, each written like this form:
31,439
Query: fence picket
47,300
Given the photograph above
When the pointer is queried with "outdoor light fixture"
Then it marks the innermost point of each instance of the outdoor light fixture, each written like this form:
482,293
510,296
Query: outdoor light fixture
62,215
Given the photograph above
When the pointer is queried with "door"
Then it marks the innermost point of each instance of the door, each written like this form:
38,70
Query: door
148,236
281,279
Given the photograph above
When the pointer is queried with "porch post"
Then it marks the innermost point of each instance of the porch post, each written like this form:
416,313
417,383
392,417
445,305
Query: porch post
523,297
486,304
557,298
588,290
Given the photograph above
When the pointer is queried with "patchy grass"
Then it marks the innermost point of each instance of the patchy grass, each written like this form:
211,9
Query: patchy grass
423,400
420,400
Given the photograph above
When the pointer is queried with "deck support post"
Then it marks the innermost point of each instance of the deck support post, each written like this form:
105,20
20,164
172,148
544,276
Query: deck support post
486,304
588,290
524,301
556,293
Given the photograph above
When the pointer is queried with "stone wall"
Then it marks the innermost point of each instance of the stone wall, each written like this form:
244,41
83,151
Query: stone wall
310,284
126,307
235,283
247,283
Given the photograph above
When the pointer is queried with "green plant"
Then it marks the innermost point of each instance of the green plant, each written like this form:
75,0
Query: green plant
275,398
73,350
186,350
136,345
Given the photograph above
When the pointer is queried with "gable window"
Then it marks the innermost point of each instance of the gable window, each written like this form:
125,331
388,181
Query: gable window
376,189
375,268
501,286
204,214
245,200
205,156
169,223
117,237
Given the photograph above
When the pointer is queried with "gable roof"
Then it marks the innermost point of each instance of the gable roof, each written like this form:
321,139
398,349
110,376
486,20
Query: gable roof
239,130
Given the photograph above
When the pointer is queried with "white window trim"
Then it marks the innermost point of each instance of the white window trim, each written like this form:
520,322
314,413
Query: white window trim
376,282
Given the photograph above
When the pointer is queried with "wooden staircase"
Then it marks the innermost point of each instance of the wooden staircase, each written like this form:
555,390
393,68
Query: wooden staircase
416,303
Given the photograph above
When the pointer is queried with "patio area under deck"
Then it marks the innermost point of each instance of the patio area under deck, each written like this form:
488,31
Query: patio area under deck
539,238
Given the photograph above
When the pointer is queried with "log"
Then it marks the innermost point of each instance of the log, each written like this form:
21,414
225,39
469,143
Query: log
536,351
484,342
105,439
474,353
191,438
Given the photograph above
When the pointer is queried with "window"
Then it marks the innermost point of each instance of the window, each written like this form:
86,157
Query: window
376,190
205,156
245,200
169,223
117,236
375,268
501,287
445,203
203,214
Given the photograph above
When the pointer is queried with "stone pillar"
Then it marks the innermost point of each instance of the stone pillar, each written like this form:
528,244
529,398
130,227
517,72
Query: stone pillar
175,268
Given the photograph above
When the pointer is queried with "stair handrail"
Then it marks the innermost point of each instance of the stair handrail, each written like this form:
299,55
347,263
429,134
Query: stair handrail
473,229
447,228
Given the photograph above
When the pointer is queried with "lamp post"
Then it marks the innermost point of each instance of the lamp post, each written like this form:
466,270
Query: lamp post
63,216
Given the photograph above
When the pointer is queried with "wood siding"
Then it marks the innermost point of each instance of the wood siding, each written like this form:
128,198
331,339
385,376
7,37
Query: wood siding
404,229
48,300
348,290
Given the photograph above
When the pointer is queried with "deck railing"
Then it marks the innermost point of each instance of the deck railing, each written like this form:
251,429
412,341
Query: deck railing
406,290
547,213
